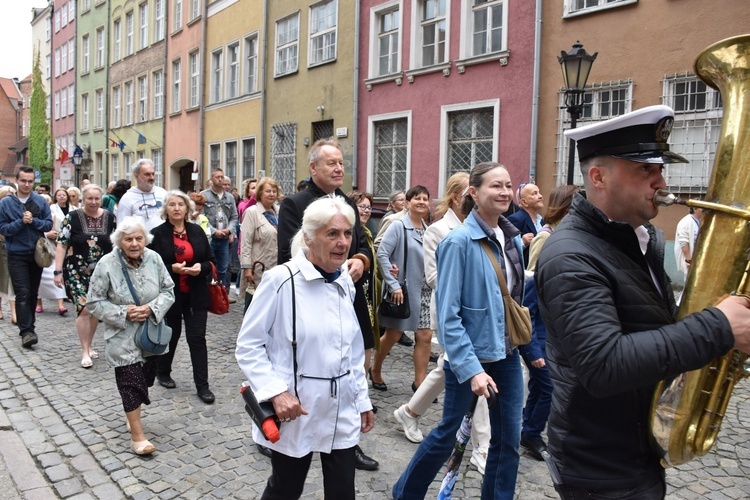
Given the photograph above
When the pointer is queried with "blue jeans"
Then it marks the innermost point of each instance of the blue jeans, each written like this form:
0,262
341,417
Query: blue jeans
220,248
536,411
25,276
505,420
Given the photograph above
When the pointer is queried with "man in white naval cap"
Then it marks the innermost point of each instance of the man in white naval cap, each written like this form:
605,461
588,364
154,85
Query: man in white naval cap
610,314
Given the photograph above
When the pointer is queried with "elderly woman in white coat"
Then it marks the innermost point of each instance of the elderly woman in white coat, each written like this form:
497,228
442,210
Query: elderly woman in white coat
409,231
319,390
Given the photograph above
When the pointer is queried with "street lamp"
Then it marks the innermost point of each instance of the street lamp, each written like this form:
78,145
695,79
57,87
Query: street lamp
77,160
576,66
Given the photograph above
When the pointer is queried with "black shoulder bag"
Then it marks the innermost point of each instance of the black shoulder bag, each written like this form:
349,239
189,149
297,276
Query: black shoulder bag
388,308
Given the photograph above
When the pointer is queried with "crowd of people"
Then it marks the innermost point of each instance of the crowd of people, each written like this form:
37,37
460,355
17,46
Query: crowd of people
314,272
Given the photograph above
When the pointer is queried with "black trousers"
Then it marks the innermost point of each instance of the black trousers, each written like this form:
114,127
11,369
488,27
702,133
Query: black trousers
25,276
288,475
195,334
648,491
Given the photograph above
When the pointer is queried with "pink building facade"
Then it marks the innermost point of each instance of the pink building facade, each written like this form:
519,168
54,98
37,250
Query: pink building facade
62,90
443,85
182,138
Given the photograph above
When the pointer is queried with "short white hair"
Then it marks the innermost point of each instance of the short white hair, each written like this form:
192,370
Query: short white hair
136,168
130,225
89,187
176,192
317,215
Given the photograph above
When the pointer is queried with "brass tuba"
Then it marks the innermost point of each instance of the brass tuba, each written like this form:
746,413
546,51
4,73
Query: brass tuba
687,411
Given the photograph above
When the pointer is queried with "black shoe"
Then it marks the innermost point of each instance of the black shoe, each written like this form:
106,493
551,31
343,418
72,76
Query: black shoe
206,395
405,340
434,357
534,447
167,382
28,339
374,410
265,451
378,386
362,461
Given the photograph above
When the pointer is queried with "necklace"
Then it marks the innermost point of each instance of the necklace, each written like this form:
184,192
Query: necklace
181,234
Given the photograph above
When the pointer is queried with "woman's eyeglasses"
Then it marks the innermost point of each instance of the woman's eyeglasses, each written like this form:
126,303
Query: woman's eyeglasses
365,208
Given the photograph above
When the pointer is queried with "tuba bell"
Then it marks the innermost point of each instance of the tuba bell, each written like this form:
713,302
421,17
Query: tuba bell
687,411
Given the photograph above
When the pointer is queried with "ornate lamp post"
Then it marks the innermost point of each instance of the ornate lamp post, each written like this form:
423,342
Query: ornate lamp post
77,160
576,66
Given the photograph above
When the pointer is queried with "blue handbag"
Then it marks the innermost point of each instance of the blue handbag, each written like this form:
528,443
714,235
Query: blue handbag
152,338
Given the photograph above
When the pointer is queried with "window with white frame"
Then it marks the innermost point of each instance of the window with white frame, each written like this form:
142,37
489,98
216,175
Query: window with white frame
116,40
156,158
64,15
287,45
230,161
127,160
283,154
48,23
600,102
57,62
48,66
158,94
142,99
390,156
251,63
85,42
159,30
176,85
129,33
470,139
129,103
48,107
71,53
143,16
116,104
57,105
573,7
64,57
57,21
388,34
100,48
71,99
248,158
432,32
195,76
86,5
115,162
72,10
84,112
323,30
195,9
99,118
177,15
139,155
217,72
487,30
233,70
63,103
214,156
698,113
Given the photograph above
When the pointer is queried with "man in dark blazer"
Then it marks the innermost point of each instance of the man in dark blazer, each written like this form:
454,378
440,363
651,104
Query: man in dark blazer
326,164
528,219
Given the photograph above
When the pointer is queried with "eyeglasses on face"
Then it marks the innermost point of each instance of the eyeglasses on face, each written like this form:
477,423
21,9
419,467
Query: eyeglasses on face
365,208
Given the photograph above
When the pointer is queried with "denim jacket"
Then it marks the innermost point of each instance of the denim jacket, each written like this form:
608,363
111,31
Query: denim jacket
21,238
211,210
470,313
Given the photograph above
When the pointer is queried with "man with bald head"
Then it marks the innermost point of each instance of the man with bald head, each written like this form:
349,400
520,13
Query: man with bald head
528,219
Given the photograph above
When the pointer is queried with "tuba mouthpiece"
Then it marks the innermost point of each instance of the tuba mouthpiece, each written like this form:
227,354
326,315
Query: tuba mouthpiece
665,198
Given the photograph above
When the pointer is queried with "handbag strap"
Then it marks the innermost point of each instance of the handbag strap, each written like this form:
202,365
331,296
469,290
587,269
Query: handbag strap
406,247
496,265
127,278
294,329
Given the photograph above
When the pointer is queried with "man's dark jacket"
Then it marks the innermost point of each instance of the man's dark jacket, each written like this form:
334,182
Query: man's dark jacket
522,220
611,337
290,221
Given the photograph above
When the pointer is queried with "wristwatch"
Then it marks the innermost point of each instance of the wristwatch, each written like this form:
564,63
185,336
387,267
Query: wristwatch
57,272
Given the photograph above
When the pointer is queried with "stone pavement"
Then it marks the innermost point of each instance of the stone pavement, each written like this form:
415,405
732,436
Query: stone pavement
62,431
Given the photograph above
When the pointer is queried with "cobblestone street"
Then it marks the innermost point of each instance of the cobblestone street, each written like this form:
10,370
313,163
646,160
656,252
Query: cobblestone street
62,430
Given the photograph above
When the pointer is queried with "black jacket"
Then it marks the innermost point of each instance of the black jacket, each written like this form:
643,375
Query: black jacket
163,244
290,221
611,336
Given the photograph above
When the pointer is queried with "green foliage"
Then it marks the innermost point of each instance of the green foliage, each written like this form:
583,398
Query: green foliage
38,128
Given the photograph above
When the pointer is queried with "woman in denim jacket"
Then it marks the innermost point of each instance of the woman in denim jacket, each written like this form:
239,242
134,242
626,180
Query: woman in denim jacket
471,328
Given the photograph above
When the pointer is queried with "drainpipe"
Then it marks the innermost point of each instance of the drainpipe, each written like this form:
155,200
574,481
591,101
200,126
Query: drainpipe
535,90
355,149
198,167
262,146
105,98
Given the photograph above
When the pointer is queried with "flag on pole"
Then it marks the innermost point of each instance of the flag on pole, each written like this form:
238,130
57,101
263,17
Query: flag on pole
64,156
141,138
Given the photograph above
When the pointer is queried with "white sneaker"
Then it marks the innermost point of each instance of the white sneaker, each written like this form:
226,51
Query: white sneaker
410,425
479,458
